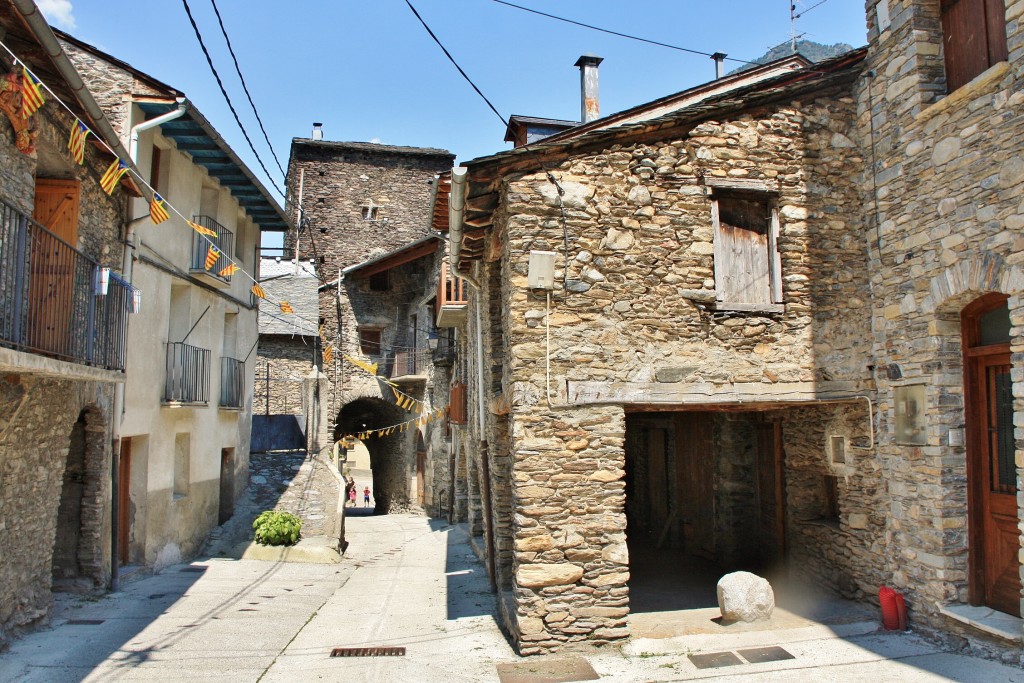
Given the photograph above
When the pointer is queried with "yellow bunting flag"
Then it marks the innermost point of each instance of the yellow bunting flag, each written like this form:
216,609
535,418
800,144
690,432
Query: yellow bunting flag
257,291
201,230
369,367
286,308
31,94
76,141
157,211
328,353
229,270
212,254
396,393
112,175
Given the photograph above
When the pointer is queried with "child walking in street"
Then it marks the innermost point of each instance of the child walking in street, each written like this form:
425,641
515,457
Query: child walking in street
366,496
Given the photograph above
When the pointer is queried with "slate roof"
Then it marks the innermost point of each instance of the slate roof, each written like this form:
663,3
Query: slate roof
281,283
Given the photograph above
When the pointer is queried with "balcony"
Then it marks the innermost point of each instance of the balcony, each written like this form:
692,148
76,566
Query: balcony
188,375
452,300
409,366
225,243
49,303
232,383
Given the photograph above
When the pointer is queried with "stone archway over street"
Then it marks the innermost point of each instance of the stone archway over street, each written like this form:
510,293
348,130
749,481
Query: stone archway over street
390,456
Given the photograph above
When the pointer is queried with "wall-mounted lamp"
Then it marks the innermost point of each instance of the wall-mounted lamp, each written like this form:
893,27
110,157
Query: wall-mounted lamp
432,340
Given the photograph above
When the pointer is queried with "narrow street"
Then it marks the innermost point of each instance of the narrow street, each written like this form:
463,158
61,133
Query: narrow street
406,582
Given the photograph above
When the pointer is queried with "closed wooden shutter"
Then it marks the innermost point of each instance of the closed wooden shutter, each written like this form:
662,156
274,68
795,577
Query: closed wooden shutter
743,264
973,38
53,265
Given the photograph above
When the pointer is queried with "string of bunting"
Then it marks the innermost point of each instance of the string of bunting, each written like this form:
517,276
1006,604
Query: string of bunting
33,97
402,399
421,421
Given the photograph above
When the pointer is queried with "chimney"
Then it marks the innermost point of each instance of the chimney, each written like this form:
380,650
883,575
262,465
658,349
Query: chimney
318,132
719,58
589,109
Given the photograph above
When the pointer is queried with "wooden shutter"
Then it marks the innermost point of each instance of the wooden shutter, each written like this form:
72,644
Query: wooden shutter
743,266
53,265
774,257
973,38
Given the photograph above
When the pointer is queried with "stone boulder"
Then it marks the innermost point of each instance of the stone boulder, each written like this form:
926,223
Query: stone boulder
743,596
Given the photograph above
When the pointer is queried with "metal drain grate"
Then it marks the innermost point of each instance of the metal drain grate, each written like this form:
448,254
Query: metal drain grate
368,652
85,622
196,570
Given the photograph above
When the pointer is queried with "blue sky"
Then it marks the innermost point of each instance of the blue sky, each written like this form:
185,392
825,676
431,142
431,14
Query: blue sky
369,71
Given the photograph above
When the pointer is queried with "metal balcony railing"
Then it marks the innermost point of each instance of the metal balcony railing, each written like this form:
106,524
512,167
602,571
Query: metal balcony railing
406,363
225,243
188,374
48,297
232,383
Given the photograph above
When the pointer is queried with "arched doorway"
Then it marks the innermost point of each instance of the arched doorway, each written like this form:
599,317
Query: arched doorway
991,468
390,453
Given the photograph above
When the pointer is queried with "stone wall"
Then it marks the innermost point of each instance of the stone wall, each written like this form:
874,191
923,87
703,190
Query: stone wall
290,361
637,305
949,173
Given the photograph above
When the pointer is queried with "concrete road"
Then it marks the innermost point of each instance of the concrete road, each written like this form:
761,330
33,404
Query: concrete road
409,582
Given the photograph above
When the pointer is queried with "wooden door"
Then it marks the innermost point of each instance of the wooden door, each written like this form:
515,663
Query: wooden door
991,474
771,497
421,476
695,482
658,490
226,506
124,482
53,264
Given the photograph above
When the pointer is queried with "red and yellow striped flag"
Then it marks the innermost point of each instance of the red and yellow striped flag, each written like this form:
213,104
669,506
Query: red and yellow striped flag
76,141
157,212
212,254
229,270
257,291
31,94
201,230
328,353
286,307
112,175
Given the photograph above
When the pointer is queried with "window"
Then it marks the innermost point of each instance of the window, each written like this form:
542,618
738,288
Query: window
369,342
973,38
748,270
370,212
379,282
160,170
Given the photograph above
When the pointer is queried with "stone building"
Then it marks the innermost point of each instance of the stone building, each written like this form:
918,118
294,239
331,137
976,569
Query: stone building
62,335
692,367
191,350
940,121
777,327
364,212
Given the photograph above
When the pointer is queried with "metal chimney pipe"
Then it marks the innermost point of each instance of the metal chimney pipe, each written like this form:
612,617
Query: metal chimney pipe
318,132
589,108
719,58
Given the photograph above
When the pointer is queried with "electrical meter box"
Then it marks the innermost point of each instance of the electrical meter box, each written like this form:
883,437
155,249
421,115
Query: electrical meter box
542,270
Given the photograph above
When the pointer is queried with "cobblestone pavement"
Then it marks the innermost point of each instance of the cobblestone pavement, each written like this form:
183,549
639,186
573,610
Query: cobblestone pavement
294,482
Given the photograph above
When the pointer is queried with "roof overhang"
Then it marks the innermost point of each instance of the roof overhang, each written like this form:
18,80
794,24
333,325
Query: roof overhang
407,254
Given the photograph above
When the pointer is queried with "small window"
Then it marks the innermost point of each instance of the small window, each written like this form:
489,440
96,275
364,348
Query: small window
379,282
973,38
369,342
159,170
747,263
370,212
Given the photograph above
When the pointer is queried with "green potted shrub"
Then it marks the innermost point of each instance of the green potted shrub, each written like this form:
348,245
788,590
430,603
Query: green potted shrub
276,527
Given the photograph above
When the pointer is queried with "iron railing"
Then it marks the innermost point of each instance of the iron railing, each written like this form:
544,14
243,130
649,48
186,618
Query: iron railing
224,241
188,374
452,297
232,383
405,363
48,297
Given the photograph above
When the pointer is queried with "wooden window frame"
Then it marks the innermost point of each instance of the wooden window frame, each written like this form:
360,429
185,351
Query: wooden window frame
966,23
722,301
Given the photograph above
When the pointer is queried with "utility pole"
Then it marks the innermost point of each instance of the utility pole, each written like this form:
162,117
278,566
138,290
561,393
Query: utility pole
792,25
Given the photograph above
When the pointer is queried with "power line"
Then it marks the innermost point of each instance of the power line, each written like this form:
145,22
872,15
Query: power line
447,54
224,92
617,33
819,4
245,87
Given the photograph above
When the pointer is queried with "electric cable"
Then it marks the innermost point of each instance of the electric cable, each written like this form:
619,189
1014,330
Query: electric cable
231,106
245,87
797,16
447,54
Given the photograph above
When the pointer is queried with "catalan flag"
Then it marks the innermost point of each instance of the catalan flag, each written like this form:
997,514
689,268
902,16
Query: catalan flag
201,230
229,270
31,94
328,353
257,291
112,175
286,308
76,141
212,254
157,211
